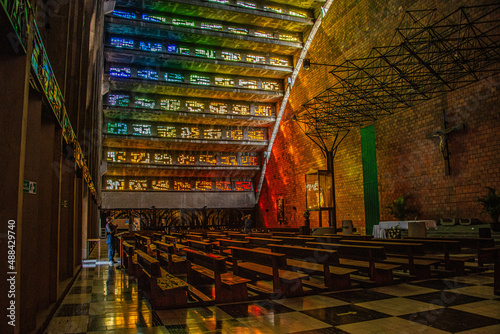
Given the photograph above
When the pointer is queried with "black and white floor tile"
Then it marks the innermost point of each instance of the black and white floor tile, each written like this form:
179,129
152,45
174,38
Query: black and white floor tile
104,300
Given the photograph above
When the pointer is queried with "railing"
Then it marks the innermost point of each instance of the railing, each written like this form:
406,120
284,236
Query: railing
18,13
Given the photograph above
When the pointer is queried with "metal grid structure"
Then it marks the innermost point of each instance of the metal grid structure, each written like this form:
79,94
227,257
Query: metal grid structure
428,55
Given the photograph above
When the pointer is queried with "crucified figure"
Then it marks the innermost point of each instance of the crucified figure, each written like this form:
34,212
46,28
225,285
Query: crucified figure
442,134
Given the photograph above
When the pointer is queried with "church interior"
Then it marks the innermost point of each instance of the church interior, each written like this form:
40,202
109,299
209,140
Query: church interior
250,166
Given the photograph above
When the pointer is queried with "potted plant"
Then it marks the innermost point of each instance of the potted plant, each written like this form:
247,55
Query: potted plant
399,208
306,215
306,229
394,232
491,204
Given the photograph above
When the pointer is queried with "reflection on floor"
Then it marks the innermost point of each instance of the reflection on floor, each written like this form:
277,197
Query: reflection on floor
104,300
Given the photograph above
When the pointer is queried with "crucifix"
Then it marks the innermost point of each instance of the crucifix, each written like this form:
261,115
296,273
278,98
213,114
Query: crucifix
442,134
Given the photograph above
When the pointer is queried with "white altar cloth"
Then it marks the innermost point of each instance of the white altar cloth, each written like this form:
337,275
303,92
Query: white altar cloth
379,231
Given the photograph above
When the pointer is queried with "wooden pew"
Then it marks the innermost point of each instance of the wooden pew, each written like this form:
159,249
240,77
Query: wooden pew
228,287
283,234
128,259
238,236
224,245
174,241
194,237
492,255
165,253
262,242
446,247
472,243
143,243
404,254
350,236
260,235
317,260
363,258
157,236
161,288
295,241
202,246
268,265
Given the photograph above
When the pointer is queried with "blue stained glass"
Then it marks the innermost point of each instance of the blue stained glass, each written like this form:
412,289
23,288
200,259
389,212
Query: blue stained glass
122,42
125,15
174,77
154,18
123,72
147,74
148,46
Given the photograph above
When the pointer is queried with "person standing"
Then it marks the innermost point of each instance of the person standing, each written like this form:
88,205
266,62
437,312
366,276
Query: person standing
110,240
248,224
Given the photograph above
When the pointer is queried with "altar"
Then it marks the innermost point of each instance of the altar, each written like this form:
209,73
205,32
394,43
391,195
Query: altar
379,231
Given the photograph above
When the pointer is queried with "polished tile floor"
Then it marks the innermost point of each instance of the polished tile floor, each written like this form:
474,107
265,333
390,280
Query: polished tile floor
104,300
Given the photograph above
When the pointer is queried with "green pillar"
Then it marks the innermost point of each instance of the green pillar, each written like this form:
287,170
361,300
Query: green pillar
370,180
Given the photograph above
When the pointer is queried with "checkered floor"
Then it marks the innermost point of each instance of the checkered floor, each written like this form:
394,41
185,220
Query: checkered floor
104,300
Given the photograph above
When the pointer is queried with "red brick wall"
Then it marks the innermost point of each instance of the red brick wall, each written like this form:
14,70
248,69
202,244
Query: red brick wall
408,163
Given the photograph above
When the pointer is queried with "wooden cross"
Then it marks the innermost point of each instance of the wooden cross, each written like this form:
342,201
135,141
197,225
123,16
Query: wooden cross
442,134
